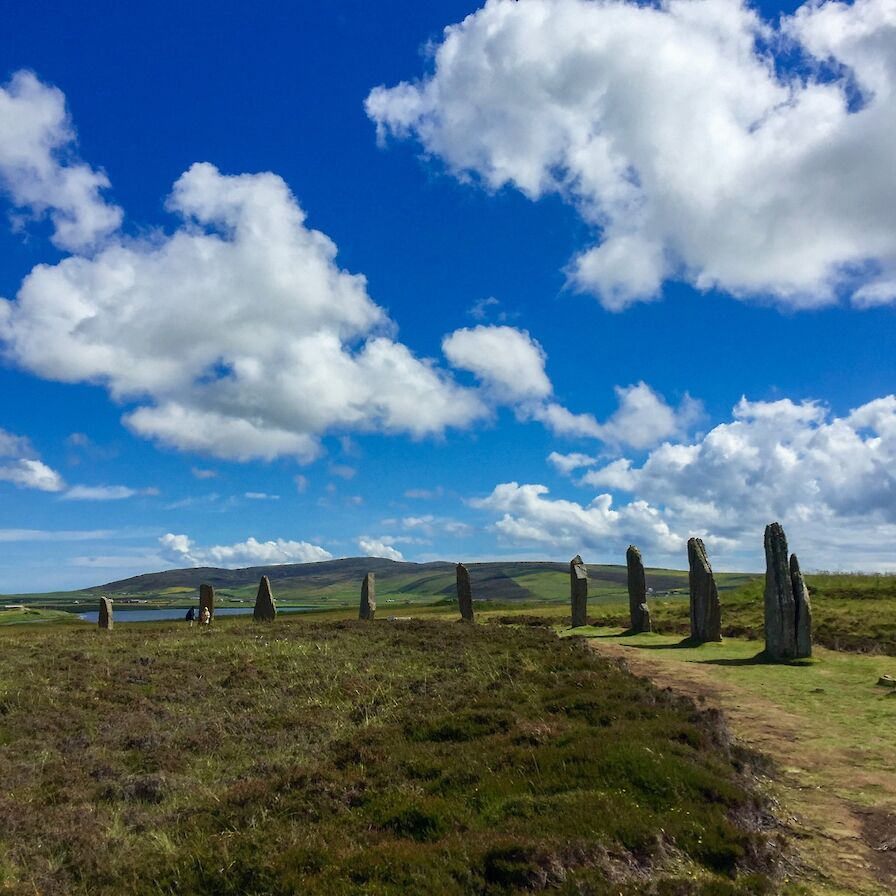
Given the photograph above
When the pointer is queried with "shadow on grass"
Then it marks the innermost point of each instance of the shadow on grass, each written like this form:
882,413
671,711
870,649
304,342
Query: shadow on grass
685,642
760,659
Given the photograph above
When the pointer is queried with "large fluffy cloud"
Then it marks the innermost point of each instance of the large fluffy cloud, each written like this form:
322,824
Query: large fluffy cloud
830,480
699,141
39,170
251,552
775,459
239,335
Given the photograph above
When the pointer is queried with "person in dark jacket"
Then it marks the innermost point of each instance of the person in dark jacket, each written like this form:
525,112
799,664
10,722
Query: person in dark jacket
191,615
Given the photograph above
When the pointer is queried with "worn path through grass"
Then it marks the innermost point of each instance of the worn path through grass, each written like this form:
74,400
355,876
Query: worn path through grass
827,727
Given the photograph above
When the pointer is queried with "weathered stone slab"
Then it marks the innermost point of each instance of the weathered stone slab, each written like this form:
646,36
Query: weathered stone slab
788,614
105,617
207,600
464,593
578,591
265,608
780,613
637,591
803,610
646,622
367,609
706,611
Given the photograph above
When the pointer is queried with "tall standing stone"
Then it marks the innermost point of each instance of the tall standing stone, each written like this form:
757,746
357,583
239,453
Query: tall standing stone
464,593
368,597
265,608
105,618
706,611
207,599
788,615
578,591
637,591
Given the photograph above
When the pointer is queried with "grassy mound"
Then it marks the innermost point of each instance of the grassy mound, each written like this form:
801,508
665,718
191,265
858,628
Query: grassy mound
383,758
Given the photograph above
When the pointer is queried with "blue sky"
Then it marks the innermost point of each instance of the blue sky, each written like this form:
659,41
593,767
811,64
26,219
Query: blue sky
592,274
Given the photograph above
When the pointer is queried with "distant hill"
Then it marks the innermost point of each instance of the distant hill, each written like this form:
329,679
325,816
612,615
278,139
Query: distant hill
324,572
500,580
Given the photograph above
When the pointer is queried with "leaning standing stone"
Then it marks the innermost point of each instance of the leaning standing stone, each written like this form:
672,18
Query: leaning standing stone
803,610
464,593
637,591
706,612
105,618
265,608
207,600
368,597
578,591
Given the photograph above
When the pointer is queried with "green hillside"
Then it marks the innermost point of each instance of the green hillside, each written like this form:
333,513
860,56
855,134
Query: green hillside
336,583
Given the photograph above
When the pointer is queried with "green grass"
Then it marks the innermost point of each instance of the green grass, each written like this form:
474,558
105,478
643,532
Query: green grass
824,723
342,757
834,694
849,612
33,614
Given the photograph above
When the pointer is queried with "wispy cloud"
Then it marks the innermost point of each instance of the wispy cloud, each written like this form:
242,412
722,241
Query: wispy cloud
56,534
105,492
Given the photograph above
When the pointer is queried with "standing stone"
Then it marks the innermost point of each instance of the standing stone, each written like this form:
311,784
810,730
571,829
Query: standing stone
368,597
803,610
637,591
578,591
207,599
105,619
464,593
706,611
788,616
265,608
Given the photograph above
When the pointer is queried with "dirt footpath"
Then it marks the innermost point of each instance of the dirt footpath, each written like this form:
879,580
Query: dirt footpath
847,847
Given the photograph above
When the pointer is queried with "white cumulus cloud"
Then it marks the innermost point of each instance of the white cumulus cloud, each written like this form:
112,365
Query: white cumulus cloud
511,366
238,335
507,360
529,518
830,480
566,463
643,418
182,549
30,473
40,171
380,547
20,466
699,141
